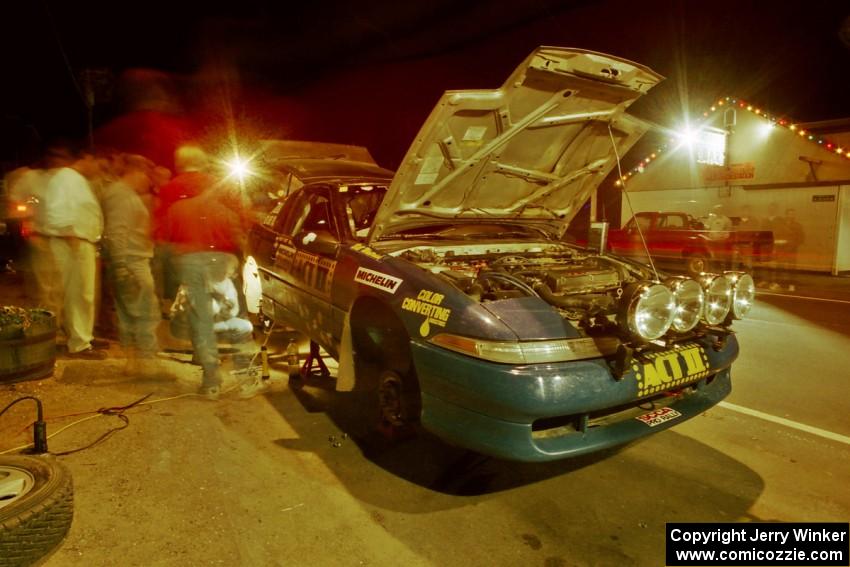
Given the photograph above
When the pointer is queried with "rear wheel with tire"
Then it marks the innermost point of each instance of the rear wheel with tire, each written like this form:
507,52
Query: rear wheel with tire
696,264
36,508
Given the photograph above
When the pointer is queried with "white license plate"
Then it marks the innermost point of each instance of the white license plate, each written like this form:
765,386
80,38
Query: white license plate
659,416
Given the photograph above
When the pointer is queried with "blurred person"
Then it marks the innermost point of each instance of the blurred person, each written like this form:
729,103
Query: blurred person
128,250
717,223
26,188
192,166
159,176
73,221
747,222
207,234
794,237
718,226
776,224
229,324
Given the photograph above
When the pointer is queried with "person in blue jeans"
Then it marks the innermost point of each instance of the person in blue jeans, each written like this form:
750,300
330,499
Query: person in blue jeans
207,232
128,249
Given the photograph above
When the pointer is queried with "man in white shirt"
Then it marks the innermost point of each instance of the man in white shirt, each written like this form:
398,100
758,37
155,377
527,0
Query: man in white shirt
27,187
74,224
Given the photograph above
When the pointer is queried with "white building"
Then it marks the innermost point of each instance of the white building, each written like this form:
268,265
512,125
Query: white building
741,156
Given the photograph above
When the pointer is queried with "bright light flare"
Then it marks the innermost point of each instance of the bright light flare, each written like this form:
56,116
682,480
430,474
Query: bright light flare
686,137
239,168
765,128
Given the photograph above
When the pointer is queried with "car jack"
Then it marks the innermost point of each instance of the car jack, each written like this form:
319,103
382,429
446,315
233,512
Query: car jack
315,357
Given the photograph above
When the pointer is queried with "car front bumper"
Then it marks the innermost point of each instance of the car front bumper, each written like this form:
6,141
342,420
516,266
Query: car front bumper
546,412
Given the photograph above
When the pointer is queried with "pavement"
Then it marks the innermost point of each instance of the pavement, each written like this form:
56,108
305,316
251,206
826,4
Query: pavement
811,284
289,478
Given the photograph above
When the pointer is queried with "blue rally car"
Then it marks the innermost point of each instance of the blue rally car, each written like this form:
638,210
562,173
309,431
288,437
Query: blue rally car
451,277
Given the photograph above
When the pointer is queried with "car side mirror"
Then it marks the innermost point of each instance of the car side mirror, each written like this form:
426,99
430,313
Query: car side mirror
319,242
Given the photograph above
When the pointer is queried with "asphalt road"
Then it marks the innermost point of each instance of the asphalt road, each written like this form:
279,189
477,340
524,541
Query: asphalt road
286,478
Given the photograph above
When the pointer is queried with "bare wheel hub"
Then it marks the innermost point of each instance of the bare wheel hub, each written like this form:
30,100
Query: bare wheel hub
390,399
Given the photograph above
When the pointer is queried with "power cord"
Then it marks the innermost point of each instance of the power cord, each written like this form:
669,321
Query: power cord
117,411
40,436
39,428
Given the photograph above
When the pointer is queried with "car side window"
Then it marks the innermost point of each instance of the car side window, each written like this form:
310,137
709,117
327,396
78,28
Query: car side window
644,222
288,212
672,222
313,216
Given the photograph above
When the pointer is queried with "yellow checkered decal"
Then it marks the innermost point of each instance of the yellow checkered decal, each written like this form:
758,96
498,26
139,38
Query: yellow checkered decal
661,371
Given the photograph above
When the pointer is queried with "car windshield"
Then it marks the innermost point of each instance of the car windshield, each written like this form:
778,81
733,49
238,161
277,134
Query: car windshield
361,205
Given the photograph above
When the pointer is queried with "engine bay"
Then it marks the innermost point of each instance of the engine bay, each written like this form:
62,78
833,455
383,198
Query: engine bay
582,286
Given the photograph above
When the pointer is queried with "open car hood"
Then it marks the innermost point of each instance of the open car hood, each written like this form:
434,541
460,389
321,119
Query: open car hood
532,150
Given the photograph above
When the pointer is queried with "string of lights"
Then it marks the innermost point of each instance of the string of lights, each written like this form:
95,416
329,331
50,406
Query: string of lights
772,119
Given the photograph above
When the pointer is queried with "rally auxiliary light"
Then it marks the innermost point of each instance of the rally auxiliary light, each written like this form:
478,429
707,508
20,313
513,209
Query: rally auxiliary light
649,311
690,301
718,298
743,293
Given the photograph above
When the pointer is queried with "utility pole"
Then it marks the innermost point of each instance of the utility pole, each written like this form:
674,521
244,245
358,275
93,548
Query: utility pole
96,85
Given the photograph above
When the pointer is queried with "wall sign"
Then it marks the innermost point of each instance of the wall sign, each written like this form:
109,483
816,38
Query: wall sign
823,198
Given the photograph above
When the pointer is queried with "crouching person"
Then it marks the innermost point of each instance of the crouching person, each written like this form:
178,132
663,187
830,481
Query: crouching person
228,326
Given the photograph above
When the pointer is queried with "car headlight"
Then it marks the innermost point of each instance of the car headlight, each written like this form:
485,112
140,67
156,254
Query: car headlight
690,299
718,298
743,293
649,311
520,352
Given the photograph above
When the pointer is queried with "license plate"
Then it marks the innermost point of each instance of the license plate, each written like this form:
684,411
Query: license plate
667,370
659,416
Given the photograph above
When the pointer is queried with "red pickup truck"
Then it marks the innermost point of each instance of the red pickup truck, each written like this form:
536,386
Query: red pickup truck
678,238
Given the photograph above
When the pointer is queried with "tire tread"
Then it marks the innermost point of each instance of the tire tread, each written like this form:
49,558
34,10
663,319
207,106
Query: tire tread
28,536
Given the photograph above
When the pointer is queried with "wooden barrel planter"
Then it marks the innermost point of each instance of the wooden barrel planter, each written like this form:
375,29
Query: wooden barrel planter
27,344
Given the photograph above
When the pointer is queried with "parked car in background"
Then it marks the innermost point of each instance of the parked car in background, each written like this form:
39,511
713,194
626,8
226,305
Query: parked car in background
451,277
678,239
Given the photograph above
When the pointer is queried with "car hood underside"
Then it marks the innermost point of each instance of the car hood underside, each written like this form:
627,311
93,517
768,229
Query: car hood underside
533,149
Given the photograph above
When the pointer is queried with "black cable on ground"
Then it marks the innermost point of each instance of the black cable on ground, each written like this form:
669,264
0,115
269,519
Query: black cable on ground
117,411
39,428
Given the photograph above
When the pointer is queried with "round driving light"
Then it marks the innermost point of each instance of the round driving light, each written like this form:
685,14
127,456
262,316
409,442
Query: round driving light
650,311
743,295
718,299
690,299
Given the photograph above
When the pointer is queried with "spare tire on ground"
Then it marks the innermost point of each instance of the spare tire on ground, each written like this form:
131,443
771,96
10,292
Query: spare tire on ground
36,508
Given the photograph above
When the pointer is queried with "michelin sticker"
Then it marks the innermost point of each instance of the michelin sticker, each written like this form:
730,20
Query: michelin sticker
377,280
428,303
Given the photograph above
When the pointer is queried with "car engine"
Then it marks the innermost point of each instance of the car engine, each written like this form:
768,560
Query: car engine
580,285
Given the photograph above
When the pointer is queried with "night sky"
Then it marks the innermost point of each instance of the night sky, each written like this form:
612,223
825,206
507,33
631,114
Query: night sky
369,72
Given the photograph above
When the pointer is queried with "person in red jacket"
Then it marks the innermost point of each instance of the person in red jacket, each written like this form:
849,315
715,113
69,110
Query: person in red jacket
192,166
207,235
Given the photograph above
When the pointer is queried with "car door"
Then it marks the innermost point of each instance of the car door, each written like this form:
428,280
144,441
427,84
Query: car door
669,236
631,241
304,262
263,235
